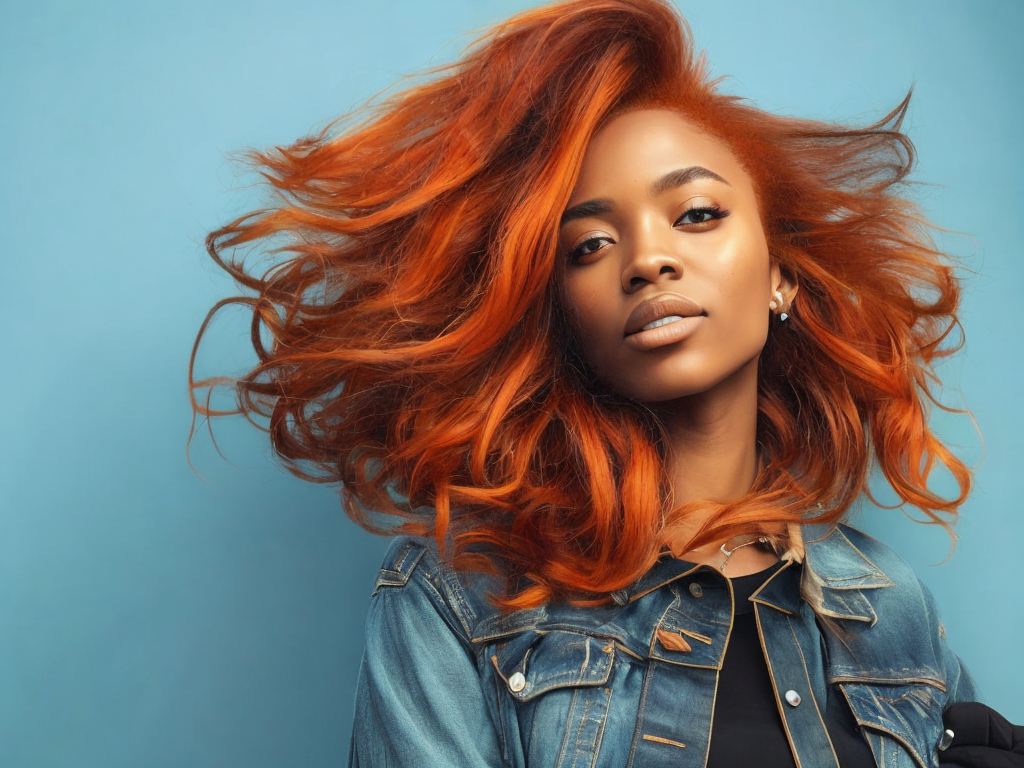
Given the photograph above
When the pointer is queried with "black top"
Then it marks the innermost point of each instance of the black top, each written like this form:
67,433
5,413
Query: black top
747,727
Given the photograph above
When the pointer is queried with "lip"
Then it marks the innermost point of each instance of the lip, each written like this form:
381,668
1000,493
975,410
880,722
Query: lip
659,307
691,316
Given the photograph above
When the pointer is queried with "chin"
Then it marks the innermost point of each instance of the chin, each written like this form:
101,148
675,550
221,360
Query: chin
653,392
662,395
679,384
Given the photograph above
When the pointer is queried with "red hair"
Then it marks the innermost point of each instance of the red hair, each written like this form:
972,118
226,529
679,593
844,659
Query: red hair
418,353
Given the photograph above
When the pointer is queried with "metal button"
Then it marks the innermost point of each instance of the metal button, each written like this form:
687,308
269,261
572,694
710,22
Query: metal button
945,740
792,698
620,597
516,682
696,590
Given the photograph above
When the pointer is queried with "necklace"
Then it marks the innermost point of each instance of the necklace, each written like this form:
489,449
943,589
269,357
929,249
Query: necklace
728,553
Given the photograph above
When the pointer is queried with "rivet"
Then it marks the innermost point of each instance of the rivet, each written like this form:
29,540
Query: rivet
696,590
792,698
516,682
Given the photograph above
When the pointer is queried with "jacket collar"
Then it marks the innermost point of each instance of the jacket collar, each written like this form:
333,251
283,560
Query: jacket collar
837,574
834,578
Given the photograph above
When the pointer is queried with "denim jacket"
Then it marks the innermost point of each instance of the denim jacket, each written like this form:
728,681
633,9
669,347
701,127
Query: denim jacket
447,680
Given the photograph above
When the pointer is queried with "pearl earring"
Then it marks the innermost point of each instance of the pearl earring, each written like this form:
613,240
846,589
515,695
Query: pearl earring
777,301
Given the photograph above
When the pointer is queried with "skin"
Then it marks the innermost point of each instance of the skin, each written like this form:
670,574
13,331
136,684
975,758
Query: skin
664,224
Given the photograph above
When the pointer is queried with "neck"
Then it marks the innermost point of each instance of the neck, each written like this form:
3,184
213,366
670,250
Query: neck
712,452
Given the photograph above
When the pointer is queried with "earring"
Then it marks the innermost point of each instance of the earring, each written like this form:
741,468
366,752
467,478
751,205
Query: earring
778,303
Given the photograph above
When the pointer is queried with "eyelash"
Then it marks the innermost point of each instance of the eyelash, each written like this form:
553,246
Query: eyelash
577,253
712,212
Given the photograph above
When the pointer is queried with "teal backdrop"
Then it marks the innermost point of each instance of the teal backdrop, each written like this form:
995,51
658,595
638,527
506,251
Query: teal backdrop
150,616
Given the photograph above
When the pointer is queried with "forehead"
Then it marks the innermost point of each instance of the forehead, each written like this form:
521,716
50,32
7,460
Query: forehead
640,144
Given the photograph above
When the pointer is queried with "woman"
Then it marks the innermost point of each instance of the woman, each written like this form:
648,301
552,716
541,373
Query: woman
616,350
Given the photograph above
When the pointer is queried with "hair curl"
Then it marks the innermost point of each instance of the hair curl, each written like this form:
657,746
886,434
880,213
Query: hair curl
418,354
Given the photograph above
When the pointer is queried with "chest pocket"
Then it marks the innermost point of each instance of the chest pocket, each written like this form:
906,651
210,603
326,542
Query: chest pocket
558,685
894,716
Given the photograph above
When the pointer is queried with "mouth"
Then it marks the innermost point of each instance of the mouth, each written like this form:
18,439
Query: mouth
661,311
662,320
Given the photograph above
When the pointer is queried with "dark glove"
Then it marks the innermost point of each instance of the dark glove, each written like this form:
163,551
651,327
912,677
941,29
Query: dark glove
982,738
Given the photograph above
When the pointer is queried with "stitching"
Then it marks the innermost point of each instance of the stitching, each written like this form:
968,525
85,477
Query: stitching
561,761
600,729
640,710
810,689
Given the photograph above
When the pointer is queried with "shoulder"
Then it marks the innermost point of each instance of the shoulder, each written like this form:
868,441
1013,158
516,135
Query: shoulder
421,680
418,578
879,602
851,577
844,558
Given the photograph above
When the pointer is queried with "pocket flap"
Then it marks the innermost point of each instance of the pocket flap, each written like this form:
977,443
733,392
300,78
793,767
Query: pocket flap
910,714
537,661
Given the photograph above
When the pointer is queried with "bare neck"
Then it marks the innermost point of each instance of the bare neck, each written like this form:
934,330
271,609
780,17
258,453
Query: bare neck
712,451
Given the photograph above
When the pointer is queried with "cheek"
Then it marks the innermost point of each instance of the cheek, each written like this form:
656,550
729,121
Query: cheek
589,332
587,315
751,277
743,294
582,302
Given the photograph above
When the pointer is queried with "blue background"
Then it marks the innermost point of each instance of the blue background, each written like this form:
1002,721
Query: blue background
150,617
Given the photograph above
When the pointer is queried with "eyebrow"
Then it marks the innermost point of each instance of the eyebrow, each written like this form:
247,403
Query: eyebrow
682,176
586,210
670,180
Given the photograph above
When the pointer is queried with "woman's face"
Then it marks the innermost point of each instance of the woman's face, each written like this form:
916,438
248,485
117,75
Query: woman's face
667,276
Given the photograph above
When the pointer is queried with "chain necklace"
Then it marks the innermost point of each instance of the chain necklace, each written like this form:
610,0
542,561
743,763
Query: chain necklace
728,553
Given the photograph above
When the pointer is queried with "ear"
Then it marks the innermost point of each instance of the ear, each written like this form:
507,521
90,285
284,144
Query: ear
785,284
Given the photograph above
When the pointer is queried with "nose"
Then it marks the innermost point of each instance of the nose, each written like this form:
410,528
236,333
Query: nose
649,261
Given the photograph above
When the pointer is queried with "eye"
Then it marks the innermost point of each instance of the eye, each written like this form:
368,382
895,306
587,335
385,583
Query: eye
701,217
587,248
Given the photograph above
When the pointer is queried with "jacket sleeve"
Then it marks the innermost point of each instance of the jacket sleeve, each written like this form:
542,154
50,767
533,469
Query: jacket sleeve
419,700
959,683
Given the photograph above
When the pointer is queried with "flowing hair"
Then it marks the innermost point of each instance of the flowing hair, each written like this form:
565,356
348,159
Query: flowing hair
412,345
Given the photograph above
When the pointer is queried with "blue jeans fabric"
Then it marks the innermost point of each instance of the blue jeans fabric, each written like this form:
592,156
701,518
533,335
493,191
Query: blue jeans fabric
447,680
